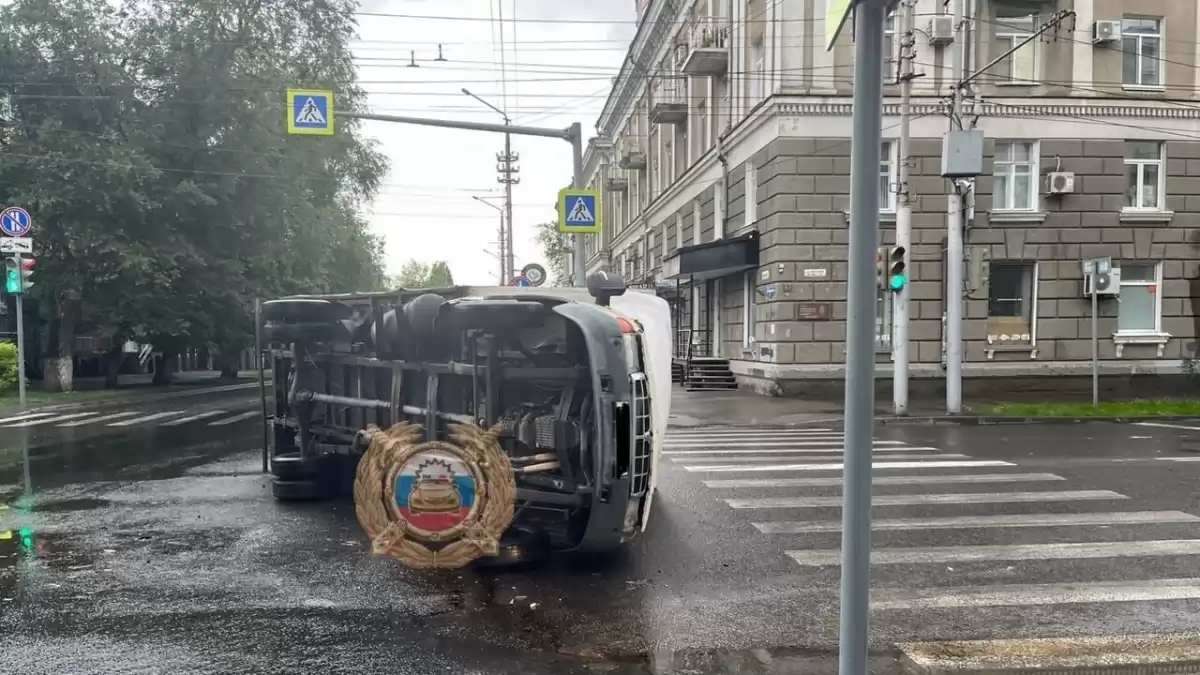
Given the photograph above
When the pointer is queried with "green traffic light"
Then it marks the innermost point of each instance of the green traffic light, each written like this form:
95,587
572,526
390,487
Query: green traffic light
12,281
896,283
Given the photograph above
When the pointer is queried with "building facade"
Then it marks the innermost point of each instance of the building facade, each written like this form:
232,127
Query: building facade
723,155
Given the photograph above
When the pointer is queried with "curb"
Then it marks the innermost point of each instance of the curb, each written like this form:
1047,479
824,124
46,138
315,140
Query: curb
1111,655
127,399
984,420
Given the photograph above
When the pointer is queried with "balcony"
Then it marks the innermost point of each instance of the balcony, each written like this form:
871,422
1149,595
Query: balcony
709,53
632,159
668,101
616,181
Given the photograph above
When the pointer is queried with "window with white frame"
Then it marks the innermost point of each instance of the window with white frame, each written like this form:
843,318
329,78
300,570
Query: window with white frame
1014,176
887,176
890,56
1144,175
1140,309
758,71
1142,52
751,198
749,307
1019,67
1012,302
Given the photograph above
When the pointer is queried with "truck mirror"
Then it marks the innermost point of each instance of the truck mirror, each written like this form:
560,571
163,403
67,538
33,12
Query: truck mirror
604,286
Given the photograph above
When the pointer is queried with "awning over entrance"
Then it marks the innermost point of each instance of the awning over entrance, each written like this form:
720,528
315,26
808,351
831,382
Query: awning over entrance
714,259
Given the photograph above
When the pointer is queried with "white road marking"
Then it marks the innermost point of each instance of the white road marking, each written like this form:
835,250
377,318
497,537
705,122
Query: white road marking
992,553
1164,425
51,420
1002,521
837,466
832,455
235,418
1178,459
789,451
193,418
709,433
835,443
1036,594
102,418
145,418
836,481
26,416
915,500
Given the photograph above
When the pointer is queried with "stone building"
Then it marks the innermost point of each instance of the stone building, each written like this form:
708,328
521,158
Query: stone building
725,169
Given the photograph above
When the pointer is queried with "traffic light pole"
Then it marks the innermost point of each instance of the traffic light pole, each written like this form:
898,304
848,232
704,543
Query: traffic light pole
572,134
21,348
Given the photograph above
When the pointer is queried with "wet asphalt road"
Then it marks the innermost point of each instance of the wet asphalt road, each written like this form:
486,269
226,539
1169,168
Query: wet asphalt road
158,549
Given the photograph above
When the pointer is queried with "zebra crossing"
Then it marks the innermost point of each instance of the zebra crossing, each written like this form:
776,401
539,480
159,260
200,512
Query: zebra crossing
942,509
126,419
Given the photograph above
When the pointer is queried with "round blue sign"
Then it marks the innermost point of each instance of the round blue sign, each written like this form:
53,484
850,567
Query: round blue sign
519,281
15,221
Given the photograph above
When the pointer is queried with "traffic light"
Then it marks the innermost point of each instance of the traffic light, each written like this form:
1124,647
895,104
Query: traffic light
881,256
27,265
897,273
12,275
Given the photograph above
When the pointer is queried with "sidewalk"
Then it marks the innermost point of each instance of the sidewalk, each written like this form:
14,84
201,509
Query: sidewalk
745,408
90,391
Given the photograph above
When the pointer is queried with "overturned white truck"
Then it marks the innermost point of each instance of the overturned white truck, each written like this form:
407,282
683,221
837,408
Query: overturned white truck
576,383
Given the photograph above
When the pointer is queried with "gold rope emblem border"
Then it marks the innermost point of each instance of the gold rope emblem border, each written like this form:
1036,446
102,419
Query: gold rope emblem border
476,536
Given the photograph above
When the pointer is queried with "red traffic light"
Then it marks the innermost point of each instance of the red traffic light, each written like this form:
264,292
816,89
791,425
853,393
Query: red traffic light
28,263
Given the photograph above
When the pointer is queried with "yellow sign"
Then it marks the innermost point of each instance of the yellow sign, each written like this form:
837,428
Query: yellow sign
836,13
578,211
310,112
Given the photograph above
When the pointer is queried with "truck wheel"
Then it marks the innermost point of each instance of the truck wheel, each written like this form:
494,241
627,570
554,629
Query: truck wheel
288,466
297,490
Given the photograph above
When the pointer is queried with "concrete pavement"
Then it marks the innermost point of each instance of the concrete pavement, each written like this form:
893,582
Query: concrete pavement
158,548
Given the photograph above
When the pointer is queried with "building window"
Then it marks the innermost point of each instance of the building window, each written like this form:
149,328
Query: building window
890,56
751,198
1140,309
1144,180
1012,302
1141,44
749,305
887,176
701,128
1019,67
1014,175
758,71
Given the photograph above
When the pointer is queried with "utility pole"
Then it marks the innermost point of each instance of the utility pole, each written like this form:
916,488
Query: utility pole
505,262
954,225
900,355
507,171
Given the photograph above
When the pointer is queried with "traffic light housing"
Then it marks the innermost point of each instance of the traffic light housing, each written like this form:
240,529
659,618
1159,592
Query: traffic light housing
27,265
897,273
12,275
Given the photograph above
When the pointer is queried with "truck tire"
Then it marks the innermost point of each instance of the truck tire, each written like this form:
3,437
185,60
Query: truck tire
297,490
289,467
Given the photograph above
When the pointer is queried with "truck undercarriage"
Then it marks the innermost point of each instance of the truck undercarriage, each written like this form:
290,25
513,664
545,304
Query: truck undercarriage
562,379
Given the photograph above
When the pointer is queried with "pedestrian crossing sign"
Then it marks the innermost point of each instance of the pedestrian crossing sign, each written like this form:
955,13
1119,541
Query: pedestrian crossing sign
578,211
310,112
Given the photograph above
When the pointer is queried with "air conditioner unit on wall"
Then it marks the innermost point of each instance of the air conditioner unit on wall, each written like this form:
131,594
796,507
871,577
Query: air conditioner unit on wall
941,30
1109,286
1060,182
1106,32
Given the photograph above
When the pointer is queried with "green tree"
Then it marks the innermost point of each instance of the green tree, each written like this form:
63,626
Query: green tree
555,248
416,274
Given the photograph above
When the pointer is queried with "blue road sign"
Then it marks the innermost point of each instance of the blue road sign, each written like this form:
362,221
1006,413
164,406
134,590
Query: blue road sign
519,281
578,211
15,221
310,112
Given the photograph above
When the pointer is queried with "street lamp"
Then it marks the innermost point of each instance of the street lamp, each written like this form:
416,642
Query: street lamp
504,275
507,170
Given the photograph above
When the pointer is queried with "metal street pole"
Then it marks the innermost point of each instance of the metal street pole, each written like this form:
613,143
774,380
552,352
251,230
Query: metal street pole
954,233
506,246
1095,338
572,134
20,346
900,355
260,364
860,335
575,136
506,264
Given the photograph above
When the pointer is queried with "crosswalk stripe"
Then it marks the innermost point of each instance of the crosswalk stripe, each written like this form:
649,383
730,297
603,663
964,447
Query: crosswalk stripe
1036,594
836,481
26,416
914,500
193,418
146,418
832,443
1164,425
1002,521
788,451
837,466
102,418
708,433
1011,552
768,437
235,418
51,420
832,455
1178,459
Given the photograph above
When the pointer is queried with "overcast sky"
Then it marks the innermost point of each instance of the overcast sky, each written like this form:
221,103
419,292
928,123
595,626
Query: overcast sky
560,58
